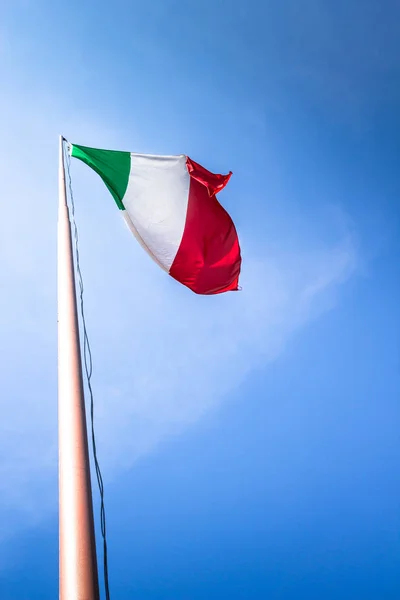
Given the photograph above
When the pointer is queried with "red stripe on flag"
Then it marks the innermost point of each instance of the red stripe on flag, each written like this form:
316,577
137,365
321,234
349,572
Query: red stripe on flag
208,260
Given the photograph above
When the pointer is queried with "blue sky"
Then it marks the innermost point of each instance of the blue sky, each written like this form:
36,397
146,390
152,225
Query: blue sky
249,442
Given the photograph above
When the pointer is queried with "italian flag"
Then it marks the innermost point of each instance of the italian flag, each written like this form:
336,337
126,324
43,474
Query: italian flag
170,205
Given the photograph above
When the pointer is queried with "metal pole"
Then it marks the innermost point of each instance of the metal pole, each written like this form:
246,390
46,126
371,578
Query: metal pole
78,564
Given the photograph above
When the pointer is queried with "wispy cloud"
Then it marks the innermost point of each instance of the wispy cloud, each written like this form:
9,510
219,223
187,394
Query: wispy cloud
180,356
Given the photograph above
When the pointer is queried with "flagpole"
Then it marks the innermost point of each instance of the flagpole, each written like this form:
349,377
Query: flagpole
78,578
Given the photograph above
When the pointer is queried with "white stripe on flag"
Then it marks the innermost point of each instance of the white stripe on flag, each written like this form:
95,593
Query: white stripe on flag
156,202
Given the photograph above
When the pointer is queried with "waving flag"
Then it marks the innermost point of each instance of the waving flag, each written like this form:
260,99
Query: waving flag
170,205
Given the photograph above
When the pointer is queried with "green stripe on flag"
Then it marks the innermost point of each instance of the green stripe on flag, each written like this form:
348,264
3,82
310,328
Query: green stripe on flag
112,166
